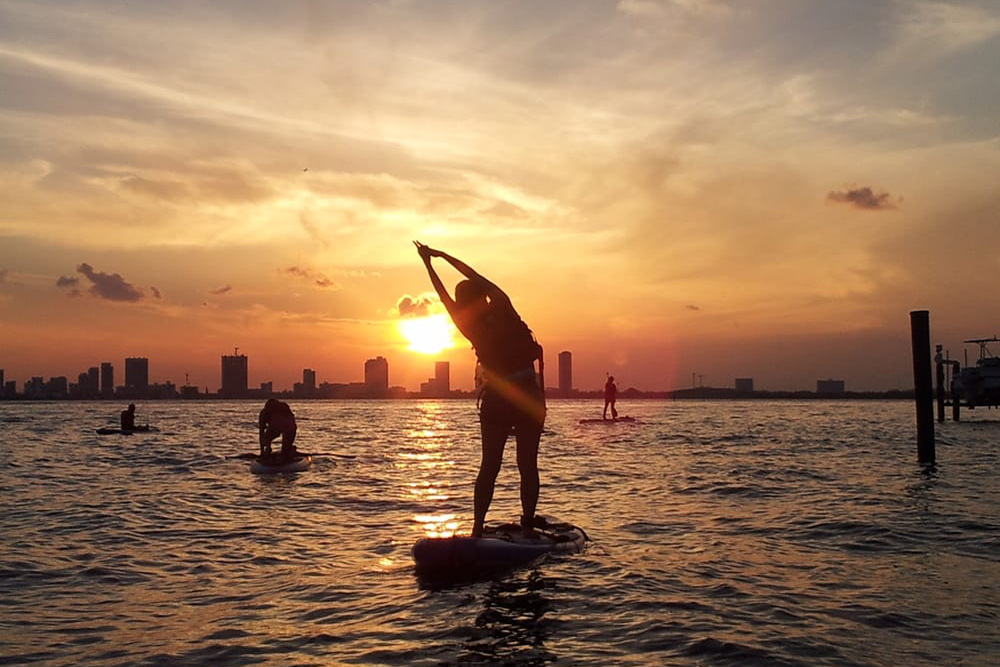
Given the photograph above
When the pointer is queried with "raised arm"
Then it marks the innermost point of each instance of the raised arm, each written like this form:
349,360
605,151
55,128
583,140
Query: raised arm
471,273
426,252
491,288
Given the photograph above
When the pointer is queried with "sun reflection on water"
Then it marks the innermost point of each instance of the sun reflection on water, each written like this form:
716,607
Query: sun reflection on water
426,491
437,525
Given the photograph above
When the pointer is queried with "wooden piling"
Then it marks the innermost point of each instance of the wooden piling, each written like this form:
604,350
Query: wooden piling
956,400
920,332
939,366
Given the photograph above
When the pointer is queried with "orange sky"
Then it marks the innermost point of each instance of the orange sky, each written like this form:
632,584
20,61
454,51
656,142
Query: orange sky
663,187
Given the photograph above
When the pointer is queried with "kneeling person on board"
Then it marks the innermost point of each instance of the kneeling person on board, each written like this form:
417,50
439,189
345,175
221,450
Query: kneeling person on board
277,419
128,418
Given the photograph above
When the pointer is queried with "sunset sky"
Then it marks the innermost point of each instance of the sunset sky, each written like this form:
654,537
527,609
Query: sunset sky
745,188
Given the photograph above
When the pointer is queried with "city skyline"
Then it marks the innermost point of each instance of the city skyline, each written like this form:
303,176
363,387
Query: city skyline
234,382
665,187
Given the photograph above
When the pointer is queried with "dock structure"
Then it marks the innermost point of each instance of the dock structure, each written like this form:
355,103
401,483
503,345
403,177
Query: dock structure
946,396
970,386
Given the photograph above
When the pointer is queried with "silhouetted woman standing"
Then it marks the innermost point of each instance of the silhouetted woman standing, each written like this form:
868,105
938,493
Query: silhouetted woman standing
513,396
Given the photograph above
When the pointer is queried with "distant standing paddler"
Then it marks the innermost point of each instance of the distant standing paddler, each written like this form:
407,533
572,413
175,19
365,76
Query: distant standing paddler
610,396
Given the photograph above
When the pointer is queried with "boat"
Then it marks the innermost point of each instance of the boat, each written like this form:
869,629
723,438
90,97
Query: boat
501,548
266,465
979,385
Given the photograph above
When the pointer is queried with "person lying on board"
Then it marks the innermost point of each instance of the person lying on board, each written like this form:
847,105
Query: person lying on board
513,396
275,419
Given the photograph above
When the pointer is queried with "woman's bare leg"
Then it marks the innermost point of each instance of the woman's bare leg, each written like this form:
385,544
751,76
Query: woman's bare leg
494,439
528,436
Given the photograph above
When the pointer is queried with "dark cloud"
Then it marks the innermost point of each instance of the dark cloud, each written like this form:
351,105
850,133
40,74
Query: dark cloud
409,306
69,282
155,292
221,290
691,306
863,198
316,277
109,286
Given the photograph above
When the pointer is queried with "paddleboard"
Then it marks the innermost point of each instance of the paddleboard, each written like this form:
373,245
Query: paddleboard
118,431
607,421
502,547
271,465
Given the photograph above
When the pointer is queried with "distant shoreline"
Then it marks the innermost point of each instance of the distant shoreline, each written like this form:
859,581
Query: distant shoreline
699,393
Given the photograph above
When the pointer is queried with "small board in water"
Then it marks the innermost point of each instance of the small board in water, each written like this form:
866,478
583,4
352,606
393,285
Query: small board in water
273,464
500,548
607,421
119,431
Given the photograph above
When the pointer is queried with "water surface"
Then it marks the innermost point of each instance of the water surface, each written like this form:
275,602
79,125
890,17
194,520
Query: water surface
723,533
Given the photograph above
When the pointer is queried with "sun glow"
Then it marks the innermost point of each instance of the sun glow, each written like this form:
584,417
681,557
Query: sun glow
428,335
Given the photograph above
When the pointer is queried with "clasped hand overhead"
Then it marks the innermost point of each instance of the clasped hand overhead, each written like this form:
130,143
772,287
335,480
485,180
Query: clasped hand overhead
425,251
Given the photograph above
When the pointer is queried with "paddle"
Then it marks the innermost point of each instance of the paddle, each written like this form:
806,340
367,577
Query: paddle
342,456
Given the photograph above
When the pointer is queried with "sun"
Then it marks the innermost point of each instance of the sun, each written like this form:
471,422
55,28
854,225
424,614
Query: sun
428,335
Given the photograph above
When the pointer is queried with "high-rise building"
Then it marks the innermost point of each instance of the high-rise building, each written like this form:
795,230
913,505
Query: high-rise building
93,382
440,384
744,384
234,375
107,380
34,388
137,375
442,376
57,387
829,386
377,374
1,377
309,379
565,373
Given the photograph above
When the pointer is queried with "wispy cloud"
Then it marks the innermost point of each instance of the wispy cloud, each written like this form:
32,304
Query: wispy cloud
156,292
942,27
225,289
648,8
863,198
109,286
